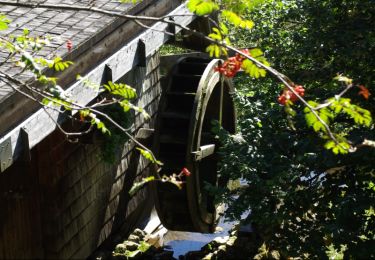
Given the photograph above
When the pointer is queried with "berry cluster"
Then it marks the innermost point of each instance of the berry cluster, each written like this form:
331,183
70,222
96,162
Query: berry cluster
69,45
232,65
185,172
288,95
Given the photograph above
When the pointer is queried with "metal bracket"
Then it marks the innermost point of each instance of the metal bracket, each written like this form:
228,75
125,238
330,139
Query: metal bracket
204,151
6,158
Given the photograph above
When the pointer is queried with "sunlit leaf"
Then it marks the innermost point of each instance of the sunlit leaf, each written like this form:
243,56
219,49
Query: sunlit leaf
202,7
4,21
236,20
120,89
148,155
138,185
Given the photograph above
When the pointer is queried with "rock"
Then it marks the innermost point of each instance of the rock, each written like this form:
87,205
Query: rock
155,240
218,229
134,238
234,233
221,252
193,255
102,255
120,249
208,257
130,245
221,240
246,230
164,255
231,241
140,233
118,257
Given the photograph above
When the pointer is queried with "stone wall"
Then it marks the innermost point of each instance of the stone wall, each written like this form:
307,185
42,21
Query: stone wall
83,200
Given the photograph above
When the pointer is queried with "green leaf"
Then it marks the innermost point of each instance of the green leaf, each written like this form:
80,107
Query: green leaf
340,147
216,51
99,124
126,105
148,155
120,89
3,22
202,7
317,126
256,52
30,63
143,246
58,64
224,29
138,185
344,79
252,69
312,120
57,102
236,20
360,115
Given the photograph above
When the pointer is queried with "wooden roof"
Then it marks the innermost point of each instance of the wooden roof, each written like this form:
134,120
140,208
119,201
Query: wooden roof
85,29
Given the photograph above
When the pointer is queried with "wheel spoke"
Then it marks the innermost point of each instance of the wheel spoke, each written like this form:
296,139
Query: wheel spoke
204,151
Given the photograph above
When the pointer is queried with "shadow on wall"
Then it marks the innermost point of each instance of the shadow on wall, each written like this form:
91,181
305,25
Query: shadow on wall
72,201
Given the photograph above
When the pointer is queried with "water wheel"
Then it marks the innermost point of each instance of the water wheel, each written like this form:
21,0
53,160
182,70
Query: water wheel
193,97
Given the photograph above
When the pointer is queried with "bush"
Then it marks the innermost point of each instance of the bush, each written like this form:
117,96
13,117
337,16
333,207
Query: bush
304,200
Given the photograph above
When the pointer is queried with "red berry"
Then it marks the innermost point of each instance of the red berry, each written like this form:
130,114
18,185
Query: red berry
185,172
289,95
69,45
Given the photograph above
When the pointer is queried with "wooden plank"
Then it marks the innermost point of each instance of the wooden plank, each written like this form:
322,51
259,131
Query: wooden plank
41,123
20,232
204,151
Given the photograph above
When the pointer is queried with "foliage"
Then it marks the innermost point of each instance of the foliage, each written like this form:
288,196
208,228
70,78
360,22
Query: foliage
302,197
202,7
175,179
305,201
149,156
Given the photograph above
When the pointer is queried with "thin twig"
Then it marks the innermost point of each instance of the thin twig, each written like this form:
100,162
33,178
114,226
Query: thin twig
151,28
76,106
165,19
338,96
